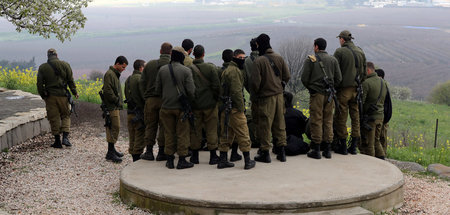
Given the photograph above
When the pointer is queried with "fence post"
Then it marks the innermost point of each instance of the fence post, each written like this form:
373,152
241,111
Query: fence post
435,133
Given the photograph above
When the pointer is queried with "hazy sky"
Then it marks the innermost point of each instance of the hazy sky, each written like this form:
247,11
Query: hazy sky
121,3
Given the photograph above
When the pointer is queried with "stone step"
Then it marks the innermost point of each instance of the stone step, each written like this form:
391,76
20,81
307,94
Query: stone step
344,211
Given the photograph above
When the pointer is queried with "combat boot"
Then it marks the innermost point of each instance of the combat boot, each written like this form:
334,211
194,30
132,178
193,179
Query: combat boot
248,163
169,162
315,151
213,158
57,143
111,155
281,156
148,154
223,162
235,156
342,147
263,157
194,157
326,150
118,154
183,163
352,148
380,157
161,156
136,157
65,140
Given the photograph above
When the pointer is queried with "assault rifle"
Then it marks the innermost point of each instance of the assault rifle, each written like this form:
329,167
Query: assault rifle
64,85
139,114
106,115
185,105
226,106
359,93
329,86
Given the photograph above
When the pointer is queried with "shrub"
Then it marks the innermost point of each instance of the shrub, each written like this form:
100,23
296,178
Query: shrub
95,74
401,93
440,94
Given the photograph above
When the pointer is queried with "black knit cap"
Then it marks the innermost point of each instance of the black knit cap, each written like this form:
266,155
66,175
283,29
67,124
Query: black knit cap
263,41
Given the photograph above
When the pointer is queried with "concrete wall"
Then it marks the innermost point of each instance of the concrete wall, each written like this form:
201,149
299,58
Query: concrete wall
24,132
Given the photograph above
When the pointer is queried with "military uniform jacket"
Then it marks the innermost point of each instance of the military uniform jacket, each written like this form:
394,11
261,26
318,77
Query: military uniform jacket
112,90
221,69
347,64
234,78
166,89
264,82
187,59
48,83
371,89
149,73
312,74
207,85
248,67
133,92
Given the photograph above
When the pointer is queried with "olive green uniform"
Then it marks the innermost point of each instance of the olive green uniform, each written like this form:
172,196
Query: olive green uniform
221,69
152,101
51,88
112,92
253,118
188,61
383,137
171,109
207,90
346,90
233,77
370,141
268,94
321,111
135,97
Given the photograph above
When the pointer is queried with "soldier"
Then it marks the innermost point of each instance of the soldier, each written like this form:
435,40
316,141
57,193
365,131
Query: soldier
387,108
227,57
113,99
52,80
375,90
173,80
352,63
134,96
187,45
320,74
153,104
268,78
207,90
252,119
232,88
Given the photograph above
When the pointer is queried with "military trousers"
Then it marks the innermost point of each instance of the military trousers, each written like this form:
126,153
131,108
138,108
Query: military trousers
152,121
136,132
347,104
176,132
271,121
58,114
112,134
254,127
321,118
208,120
370,140
237,129
383,137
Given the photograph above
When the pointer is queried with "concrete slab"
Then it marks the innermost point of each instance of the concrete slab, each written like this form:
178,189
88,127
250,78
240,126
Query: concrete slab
300,185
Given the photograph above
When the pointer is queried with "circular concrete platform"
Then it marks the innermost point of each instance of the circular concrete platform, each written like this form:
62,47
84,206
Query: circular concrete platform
299,185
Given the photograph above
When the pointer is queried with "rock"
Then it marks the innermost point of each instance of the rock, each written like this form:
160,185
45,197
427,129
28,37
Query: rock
440,169
103,134
409,166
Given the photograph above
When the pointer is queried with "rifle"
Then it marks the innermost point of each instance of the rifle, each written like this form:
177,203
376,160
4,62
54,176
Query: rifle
106,115
359,93
64,85
366,117
187,109
329,86
139,114
226,106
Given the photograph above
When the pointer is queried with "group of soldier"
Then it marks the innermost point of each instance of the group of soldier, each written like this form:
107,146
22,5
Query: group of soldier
177,101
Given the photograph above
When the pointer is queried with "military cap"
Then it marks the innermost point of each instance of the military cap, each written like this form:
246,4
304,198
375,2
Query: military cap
345,34
51,51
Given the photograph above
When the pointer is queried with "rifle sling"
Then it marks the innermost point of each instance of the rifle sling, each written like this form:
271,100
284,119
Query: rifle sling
57,73
354,56
173,78
321,66
274,67
197,70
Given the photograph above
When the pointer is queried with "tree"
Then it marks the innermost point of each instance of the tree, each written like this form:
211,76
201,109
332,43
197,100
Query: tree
440,94
45,17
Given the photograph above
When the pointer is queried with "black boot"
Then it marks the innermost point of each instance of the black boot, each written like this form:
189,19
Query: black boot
281,156
148,154
315,151
327,150
352,148
183,163
57,143
248,163
136,157
169,162
263,157
161,156
380,157
342,148
111,155
194,157
234,153
65,140
223,162
213,158
118,154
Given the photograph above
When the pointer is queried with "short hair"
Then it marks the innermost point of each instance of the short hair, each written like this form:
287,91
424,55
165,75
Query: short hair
371,66
187,44
227,55
138,64
166,48
238,52
321,43
199,50
380,72
253,45
121,60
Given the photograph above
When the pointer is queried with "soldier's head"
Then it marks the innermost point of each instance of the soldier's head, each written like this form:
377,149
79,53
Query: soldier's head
263,42
253,45
227,55
166,48
121,63
187,45
320,44
370,68
51,53
239,58
199,51
139,65
380,73
345,36
288,97
177,55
